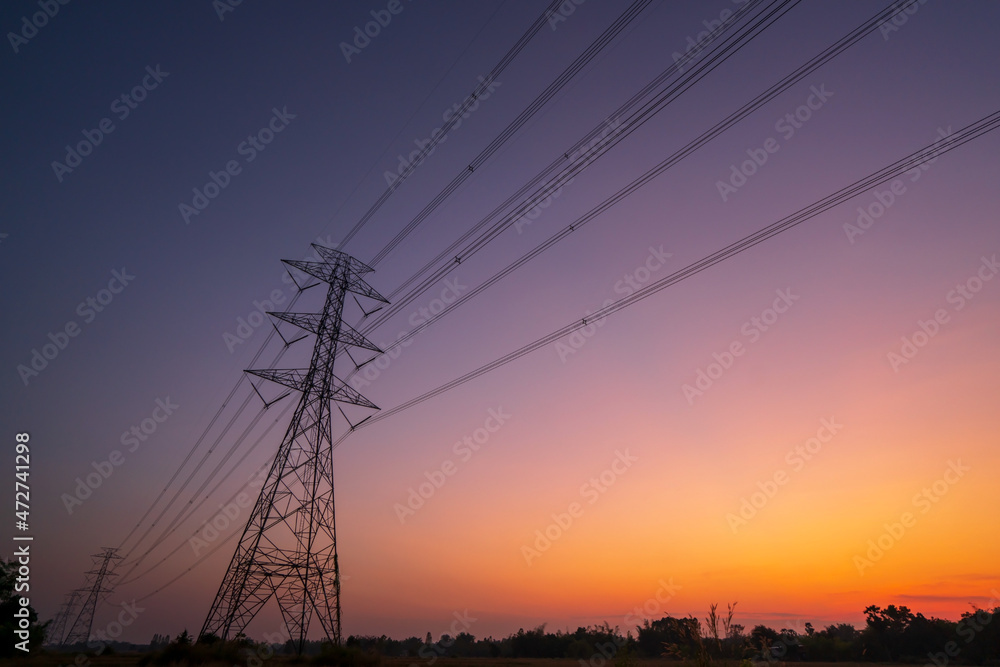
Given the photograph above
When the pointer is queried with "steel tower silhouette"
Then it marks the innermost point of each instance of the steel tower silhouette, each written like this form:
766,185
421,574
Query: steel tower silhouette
79,632
288,549
54,636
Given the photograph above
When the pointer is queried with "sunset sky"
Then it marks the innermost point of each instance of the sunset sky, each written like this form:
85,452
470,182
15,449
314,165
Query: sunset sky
806,428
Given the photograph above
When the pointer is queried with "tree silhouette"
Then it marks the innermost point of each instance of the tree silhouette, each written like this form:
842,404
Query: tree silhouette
886,628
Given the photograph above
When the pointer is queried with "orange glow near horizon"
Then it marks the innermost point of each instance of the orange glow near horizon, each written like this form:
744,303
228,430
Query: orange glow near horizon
805,428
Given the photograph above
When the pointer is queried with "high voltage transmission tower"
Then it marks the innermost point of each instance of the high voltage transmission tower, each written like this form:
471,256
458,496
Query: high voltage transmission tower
289,546
79,632
55,635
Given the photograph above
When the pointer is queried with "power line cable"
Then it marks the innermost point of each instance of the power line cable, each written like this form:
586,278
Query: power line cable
969,133
784,84
508,57
452,256
963,136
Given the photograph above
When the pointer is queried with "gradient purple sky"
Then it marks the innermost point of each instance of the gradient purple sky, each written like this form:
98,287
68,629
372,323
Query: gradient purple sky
665,519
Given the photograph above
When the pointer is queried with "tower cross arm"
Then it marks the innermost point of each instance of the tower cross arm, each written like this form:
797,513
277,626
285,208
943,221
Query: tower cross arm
292,378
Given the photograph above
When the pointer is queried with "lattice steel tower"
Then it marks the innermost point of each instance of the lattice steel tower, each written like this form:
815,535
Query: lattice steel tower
80,630
54,637
289,546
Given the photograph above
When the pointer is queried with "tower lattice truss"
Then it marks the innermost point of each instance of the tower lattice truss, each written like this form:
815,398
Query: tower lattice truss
54,637
288,549
100,578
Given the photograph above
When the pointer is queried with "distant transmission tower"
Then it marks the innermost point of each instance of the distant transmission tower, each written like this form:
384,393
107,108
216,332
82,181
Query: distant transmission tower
289,546
55,635
79,632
